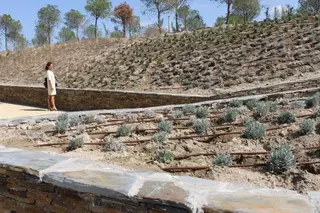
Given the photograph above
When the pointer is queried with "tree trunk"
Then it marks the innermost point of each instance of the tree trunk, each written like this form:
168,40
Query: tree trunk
177,24
77,33
124,28
49,36
228,12
6,37
159,22
95,27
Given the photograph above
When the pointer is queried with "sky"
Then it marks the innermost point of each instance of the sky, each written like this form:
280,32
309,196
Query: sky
26,11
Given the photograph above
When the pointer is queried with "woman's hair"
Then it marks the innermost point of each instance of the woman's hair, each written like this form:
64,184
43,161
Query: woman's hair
48,65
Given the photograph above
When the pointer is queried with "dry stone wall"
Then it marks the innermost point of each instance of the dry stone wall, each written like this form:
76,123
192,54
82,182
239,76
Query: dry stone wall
89,99
37,182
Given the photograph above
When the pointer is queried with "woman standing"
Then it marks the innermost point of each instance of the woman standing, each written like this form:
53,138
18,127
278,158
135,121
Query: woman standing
51,82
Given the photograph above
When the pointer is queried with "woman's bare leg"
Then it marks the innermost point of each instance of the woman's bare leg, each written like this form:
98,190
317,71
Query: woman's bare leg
49,102
53,103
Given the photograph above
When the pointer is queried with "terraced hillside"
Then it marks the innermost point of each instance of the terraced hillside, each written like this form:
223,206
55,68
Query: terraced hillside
202,61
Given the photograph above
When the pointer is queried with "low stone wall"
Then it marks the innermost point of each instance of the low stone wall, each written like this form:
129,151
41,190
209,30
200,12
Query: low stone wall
89,99
38,182
78,99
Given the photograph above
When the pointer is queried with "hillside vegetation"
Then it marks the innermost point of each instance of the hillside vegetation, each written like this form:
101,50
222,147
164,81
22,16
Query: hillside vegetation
236,57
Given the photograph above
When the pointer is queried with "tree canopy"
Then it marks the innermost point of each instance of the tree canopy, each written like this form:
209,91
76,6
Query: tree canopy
98,9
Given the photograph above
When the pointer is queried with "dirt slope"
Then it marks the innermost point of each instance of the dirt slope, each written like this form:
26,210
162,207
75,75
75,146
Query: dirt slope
201,61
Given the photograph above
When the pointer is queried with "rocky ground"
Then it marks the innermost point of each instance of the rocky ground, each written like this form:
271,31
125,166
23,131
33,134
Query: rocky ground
199,62
143,155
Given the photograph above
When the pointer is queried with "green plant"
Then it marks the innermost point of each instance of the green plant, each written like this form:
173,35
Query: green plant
89,118
164,156
160,137
192,120
206,85
100,119
235,103
280,159
188,108
112,144
75,120
286,118
230,115
248,120
252,103
254,130
313,101
201,125
75,142
297,105
202,112
316,114
165,126
307,127
177,114
148,113
131,117
123,131
62,123
262,110
273,106
222,160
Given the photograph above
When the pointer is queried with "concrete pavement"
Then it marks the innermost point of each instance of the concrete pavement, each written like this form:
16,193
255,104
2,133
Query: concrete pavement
8,111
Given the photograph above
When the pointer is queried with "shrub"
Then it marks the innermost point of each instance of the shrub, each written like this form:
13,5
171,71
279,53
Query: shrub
273,106
89,118
100,119
206,85
75,120
164,156
248,120
262,110
251,104
75,142
202,112
313,101
307,127
192,120
230,115
62,123
316,114
81,129
235,103
254,130
123,131
113,145
165,126
188,108
177,114
148,113
222,160
131,117
201,126
160,137
280,159
286,118
297,105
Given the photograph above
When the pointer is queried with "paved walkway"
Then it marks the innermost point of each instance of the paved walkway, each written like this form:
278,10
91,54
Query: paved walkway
8,111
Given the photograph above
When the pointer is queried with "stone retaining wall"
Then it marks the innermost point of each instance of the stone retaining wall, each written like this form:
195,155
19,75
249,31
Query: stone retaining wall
89,99
37,182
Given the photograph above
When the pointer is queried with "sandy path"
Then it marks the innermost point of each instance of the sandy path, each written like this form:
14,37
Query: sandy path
15,111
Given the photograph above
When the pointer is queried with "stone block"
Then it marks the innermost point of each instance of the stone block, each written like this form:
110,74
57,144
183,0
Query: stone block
31,162
97,182
166,192
47,127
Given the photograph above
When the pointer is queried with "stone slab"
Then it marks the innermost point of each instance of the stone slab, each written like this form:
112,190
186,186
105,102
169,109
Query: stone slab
191,194
31,162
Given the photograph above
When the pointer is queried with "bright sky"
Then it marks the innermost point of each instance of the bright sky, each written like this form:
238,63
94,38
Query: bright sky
26,11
